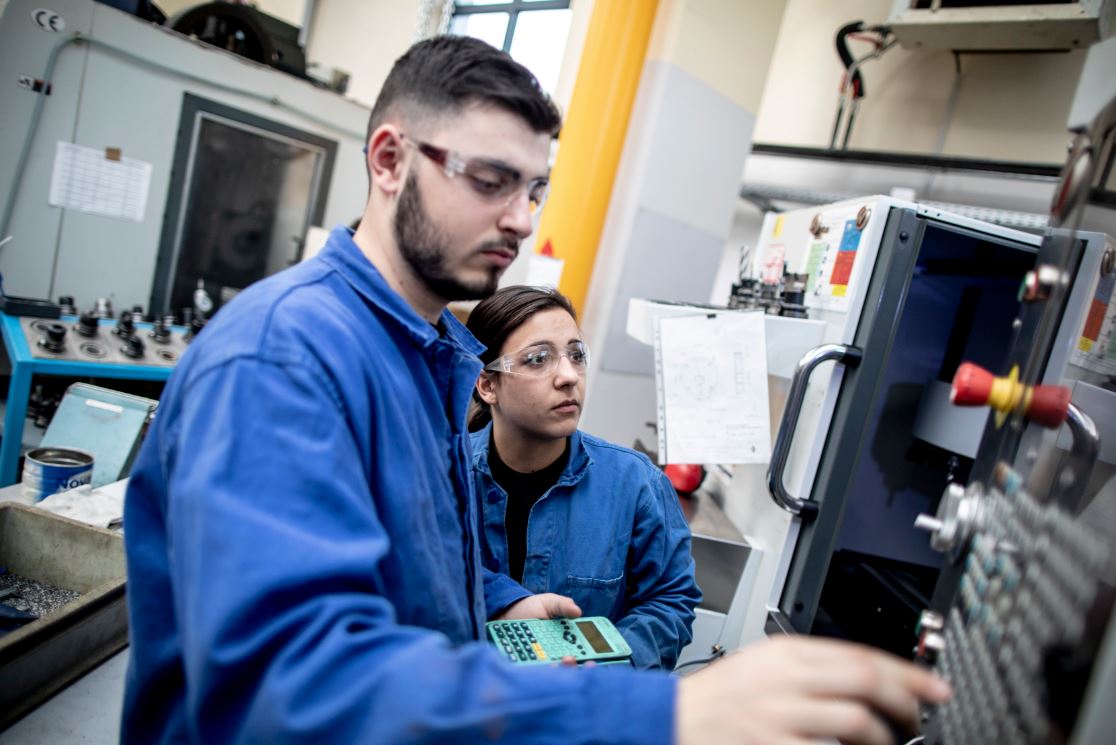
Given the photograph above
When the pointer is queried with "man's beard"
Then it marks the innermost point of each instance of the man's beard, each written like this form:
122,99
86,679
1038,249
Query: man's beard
426,247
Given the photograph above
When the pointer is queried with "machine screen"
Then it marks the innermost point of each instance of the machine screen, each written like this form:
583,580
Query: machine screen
593,634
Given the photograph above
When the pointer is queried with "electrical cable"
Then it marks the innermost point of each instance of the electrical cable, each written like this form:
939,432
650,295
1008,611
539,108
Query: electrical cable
845,54
718,652
849,79
33,125
877,40
852,85
854,66
79,38
947,117
854,79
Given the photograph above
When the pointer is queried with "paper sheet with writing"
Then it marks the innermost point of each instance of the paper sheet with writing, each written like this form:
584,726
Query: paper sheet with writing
85,180
711,380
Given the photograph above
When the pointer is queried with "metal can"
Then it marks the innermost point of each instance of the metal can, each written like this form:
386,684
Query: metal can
48,471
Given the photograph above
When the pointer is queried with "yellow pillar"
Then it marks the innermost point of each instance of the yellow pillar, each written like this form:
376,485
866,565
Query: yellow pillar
592,138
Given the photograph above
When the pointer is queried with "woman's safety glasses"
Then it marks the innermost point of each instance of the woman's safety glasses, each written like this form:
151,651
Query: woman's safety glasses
539,360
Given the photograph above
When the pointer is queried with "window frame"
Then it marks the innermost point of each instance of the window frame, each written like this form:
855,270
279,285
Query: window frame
513,8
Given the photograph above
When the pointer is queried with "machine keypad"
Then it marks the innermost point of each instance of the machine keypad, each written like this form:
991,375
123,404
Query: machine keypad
1029,581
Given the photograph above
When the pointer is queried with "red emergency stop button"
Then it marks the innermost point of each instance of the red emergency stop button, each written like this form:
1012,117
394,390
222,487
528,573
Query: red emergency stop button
972,385
1046,405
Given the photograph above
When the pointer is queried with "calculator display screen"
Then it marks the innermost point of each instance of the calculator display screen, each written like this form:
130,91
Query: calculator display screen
590,631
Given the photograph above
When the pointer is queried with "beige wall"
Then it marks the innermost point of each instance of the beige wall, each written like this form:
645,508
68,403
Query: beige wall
287,10
1008,106
706,38
363,38
1002,106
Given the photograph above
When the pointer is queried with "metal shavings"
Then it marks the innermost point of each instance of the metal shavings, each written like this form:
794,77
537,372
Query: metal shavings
25,594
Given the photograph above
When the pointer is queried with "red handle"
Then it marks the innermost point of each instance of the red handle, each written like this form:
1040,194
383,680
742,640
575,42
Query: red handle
1049,405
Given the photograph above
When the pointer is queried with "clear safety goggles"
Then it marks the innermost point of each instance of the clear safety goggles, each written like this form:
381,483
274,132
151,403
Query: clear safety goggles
491,180
539,360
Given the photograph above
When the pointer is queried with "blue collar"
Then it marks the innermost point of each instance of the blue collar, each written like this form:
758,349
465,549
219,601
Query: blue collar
579,456
346,258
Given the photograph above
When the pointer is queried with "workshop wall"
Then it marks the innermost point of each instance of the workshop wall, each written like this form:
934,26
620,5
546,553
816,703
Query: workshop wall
1010,106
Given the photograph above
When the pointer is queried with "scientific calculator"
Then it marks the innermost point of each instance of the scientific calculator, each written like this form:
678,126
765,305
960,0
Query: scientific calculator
547,641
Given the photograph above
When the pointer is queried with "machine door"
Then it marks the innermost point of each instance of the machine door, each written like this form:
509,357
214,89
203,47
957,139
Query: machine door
942,290
243,192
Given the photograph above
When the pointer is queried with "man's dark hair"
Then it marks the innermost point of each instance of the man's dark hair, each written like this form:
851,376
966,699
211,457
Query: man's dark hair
448,73
496,318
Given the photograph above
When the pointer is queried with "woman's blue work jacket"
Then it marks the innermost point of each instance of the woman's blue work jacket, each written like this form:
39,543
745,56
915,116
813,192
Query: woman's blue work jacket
611,535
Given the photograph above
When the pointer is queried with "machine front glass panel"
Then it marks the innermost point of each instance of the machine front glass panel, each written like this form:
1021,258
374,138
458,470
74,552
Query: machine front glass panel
244,190
249,202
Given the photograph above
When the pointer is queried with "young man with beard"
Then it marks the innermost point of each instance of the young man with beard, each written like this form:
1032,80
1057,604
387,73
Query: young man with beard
301,527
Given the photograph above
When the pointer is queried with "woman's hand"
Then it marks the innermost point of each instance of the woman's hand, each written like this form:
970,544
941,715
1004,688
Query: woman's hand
543,605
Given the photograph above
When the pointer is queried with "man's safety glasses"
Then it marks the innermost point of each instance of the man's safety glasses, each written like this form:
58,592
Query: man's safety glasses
492,181
539,360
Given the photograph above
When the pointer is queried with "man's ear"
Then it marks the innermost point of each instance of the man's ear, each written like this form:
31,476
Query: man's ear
486,388
386,159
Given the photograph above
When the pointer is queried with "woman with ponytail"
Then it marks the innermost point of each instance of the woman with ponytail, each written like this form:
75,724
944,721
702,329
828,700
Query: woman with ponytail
566,512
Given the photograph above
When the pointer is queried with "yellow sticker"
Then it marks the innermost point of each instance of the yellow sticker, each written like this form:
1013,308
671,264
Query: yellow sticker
778,229
840,290
1085,344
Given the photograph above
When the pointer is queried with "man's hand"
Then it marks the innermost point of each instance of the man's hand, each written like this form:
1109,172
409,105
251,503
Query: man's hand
799,689
543,605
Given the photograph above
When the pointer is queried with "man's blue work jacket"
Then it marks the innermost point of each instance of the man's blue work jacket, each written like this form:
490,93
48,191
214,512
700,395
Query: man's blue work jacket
302,540
611,535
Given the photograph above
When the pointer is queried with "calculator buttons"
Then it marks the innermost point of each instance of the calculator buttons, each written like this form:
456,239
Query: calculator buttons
534,642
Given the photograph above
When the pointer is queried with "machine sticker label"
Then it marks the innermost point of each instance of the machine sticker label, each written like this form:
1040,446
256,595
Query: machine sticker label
814,262
48,20
773,263
850,239
1096,348
33,84
1095,320
842,269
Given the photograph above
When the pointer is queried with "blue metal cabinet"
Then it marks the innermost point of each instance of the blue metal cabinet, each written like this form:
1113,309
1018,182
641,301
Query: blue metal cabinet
27,361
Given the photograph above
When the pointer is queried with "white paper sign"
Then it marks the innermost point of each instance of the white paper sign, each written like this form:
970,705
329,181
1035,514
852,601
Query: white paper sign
543,271
87,181
711,376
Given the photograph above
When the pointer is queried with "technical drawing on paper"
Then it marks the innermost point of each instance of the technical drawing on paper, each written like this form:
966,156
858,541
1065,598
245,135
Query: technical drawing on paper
712,388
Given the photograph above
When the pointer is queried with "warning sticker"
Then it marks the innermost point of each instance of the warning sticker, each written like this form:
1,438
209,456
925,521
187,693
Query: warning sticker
1096,348
842,268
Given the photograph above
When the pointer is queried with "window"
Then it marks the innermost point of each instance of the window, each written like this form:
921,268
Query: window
533,32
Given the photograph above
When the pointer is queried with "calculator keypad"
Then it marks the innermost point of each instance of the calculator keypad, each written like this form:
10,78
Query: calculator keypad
522,641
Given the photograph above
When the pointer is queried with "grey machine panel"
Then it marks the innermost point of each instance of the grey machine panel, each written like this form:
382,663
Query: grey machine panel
121,85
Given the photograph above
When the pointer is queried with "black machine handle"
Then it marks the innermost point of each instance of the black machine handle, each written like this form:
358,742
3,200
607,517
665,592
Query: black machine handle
842,354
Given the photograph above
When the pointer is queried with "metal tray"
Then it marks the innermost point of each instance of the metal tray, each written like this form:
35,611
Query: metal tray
39,659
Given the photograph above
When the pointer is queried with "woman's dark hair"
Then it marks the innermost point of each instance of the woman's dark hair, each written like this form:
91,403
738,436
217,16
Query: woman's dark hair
446,74
496,318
